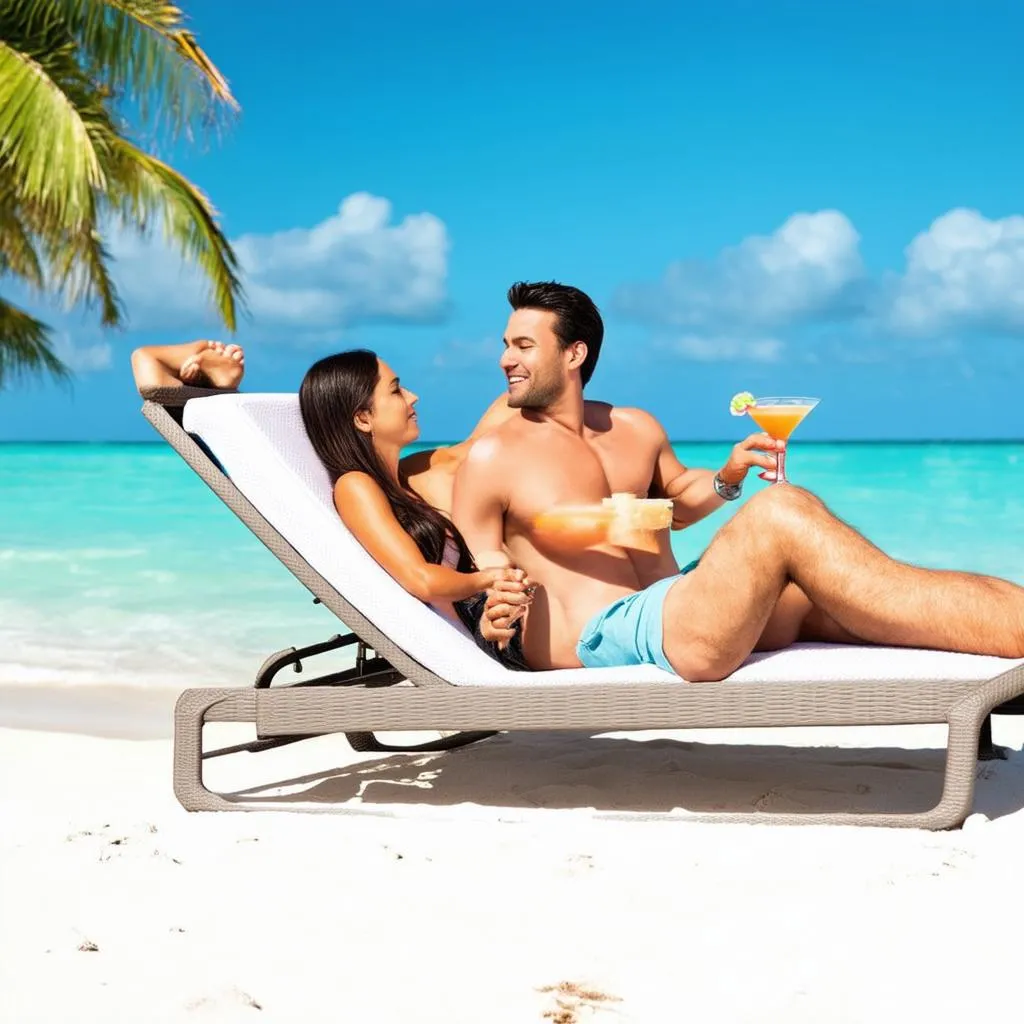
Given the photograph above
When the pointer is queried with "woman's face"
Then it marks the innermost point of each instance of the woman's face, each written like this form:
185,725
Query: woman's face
393,417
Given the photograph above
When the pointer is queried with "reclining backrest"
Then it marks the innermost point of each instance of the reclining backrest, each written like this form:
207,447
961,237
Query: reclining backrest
261,444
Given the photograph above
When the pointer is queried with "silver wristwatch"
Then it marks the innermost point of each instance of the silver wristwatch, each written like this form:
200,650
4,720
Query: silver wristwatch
727,492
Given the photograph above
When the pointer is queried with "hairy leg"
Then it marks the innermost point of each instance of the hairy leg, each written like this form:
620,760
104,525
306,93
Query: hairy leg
795,617
716,615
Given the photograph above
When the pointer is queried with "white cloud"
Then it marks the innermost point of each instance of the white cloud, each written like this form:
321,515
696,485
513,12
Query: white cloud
964,272
352,267
807,269
726,349
84,359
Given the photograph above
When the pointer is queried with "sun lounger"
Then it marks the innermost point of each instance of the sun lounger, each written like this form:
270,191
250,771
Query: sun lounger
252,450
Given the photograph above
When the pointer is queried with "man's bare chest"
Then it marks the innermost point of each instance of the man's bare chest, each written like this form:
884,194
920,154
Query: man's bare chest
576,471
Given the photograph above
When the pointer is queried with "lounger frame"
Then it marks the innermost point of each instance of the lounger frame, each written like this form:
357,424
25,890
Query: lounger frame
364,700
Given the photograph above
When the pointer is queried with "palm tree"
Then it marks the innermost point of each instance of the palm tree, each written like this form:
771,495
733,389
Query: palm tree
70,72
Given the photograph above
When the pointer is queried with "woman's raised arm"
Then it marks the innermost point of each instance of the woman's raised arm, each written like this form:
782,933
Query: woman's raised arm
366,511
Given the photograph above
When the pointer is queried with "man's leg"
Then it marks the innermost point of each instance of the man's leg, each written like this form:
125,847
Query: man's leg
716,614
794,618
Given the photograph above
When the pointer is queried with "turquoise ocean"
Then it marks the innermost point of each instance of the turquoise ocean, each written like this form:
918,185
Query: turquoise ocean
119,568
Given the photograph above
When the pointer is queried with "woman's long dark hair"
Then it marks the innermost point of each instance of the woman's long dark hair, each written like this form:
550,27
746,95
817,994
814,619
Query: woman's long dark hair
333,391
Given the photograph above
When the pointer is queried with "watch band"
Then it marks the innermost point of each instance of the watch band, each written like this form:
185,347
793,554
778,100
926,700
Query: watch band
727,492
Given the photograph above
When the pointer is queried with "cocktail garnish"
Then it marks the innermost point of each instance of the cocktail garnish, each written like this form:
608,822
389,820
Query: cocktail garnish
741,402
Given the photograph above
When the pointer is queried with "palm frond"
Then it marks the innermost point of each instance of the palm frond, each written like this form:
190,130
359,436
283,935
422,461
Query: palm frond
25,347
17,250
71,74
151,189
142,50
80,270
45,143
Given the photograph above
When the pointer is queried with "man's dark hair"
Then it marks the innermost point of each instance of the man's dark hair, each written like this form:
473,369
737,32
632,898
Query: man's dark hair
576,316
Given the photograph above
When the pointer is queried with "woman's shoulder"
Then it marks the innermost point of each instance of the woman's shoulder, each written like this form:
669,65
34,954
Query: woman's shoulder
357,484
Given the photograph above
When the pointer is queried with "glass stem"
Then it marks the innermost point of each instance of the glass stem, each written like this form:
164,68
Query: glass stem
780,467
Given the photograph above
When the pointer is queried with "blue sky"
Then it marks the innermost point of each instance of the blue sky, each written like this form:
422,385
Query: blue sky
776,197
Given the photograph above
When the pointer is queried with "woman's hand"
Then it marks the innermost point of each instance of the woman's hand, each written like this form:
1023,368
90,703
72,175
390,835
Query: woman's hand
499,575
508,598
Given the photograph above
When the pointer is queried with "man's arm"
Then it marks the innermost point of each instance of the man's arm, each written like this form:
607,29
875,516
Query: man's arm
479,501
478,510
692,490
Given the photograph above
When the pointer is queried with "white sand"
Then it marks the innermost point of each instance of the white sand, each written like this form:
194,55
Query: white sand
491,881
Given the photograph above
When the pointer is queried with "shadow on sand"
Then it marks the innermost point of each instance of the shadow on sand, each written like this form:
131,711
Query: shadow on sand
625,773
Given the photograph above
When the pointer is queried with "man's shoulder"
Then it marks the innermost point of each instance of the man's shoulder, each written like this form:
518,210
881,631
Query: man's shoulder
626,418
495,445
422,461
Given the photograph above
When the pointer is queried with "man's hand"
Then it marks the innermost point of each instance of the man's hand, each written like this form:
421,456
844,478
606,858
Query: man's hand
507,601
750,452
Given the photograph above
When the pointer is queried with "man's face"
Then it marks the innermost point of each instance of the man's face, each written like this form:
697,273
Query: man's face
533,361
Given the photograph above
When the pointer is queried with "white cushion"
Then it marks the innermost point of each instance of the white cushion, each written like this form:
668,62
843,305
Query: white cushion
260,441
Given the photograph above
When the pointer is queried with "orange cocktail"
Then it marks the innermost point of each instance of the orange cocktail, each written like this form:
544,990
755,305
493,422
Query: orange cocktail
778,421
777,417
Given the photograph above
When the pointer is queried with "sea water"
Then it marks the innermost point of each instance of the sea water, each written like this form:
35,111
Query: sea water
118,566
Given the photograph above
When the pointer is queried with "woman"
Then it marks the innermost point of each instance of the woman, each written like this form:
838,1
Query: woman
358,418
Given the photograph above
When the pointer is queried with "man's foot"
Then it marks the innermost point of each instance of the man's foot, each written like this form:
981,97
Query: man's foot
215,365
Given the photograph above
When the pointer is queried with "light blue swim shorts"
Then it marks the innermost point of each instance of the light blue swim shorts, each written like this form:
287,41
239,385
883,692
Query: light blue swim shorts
629,631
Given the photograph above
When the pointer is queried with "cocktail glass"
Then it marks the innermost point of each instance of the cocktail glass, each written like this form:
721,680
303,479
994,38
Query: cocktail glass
778,418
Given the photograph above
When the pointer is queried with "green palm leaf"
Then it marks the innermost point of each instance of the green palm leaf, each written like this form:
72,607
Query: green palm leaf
153,189
45,144
26,346
17,251
71,73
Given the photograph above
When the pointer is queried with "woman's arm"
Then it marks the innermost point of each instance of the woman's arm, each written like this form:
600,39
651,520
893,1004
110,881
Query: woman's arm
366,511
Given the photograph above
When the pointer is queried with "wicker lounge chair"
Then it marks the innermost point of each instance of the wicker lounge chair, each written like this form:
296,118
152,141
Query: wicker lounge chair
252,450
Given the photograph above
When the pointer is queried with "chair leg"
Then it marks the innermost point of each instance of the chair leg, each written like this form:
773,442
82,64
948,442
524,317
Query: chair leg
367,742
987,750
189,715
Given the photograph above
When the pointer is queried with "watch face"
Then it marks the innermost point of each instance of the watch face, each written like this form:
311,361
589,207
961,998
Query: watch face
726,491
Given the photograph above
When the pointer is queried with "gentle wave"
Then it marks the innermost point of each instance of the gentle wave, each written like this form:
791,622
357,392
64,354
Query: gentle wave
117,571
68,554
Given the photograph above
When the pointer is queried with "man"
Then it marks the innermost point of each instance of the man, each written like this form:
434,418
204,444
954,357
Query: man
782,569
431,473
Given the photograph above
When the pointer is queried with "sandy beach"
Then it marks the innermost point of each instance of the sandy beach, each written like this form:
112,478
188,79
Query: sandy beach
478,885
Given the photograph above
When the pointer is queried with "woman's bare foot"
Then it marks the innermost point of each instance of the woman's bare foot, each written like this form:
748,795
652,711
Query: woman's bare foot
214,364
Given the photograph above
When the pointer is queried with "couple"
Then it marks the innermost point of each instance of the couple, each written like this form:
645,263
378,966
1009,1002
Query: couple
782,569
457,523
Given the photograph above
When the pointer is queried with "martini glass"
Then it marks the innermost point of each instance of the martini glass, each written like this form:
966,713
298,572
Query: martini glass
778,418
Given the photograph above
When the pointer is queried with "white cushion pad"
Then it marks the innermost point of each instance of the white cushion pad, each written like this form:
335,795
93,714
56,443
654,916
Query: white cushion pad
260,441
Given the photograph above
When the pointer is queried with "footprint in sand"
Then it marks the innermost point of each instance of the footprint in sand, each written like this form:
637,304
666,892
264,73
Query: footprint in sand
214,1005
570,998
